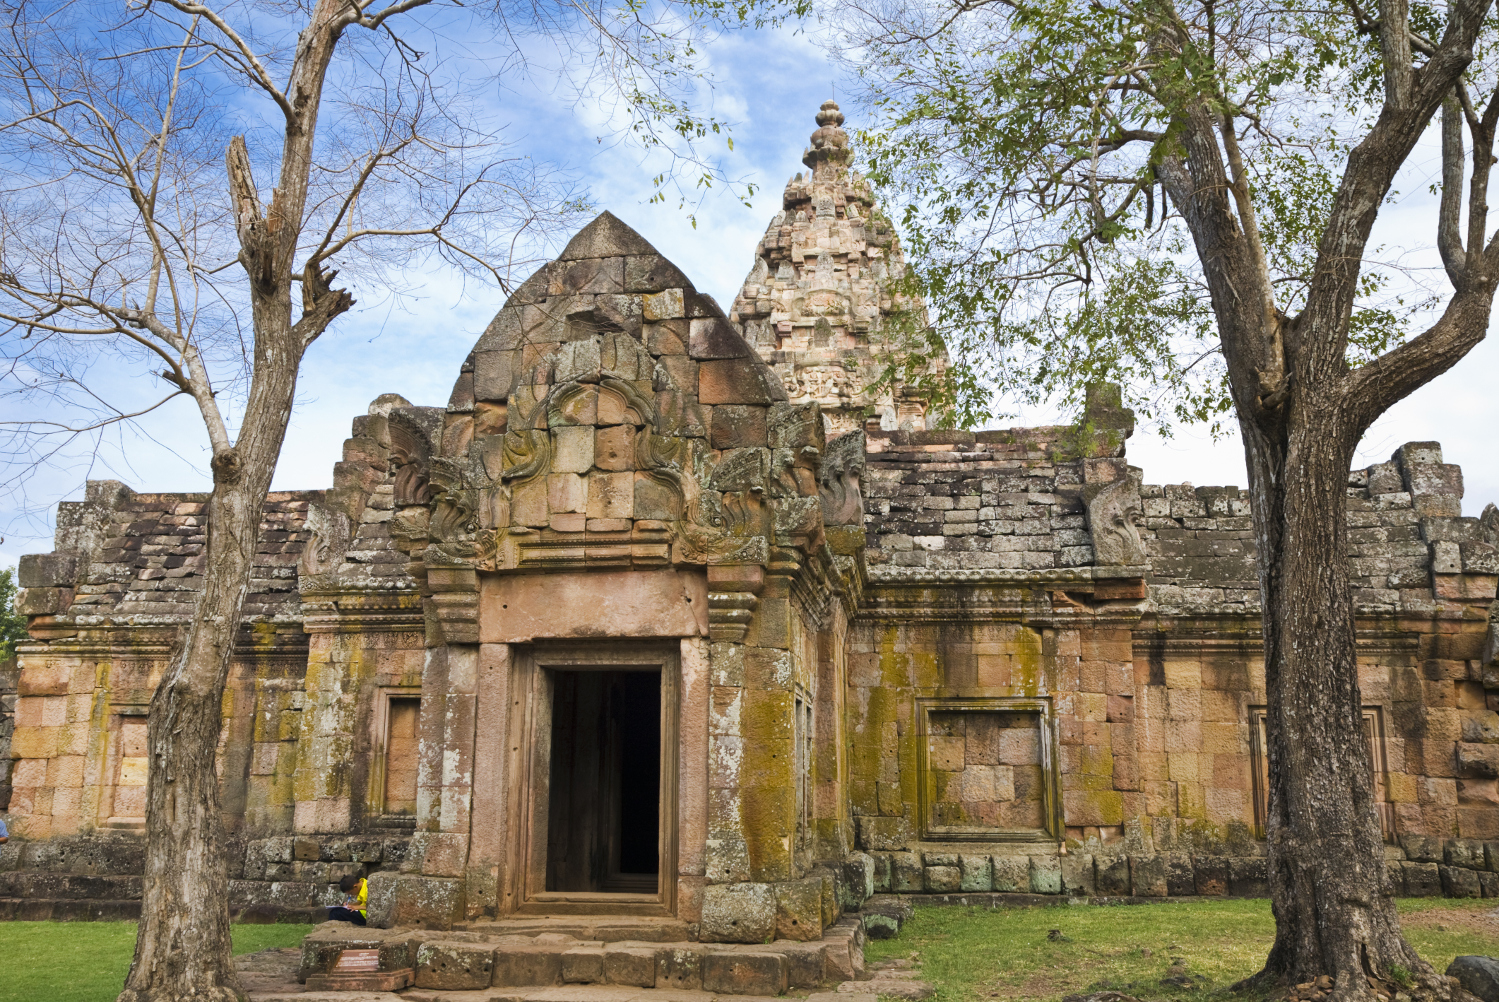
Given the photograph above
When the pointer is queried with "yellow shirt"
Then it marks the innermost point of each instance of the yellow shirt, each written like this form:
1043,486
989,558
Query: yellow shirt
356,901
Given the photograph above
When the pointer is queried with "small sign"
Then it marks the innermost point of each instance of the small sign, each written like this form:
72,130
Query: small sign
357,960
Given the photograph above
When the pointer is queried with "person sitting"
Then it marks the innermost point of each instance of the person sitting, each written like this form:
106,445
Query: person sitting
353,908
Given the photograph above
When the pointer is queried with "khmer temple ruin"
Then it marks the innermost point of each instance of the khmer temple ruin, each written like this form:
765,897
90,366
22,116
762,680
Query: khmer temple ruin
686,621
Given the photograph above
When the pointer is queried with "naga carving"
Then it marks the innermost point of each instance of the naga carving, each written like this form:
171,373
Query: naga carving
410,461
454,507
324,552
1113,512
528,450
842,471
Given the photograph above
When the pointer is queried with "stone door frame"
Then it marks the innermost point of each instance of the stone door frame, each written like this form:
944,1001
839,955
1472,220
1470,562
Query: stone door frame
530,682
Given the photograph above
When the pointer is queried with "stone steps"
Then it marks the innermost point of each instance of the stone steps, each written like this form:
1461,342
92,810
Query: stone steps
544,993
604,929
68,910
479,959
45,909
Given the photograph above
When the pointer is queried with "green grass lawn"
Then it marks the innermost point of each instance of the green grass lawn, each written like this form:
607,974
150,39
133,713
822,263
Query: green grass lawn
87,961
972,954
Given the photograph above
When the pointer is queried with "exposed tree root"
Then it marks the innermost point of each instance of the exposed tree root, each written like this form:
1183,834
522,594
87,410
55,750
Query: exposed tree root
1331,988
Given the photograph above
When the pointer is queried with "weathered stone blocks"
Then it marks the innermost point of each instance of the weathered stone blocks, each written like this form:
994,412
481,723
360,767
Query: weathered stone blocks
626,964
1011,874
1112,875
1248,877
860,870
583,965
1458,882
943,879
1422,880
738,913
413,900
799,909
975,873
1046,874
1147,876
517,964
1210,874
745,973
679,968
455,966
1479,975
906,874
1180,879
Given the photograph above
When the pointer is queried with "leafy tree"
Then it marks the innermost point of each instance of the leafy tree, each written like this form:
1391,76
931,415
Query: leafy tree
1179,194
138,239
12,623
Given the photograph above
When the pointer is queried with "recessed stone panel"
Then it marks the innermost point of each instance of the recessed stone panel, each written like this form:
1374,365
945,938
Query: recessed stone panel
985,769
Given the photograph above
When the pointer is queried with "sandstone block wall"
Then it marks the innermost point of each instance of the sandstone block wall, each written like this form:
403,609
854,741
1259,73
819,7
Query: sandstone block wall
956,663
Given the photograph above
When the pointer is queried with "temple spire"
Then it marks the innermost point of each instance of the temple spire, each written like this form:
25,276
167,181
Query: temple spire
822,284
829,142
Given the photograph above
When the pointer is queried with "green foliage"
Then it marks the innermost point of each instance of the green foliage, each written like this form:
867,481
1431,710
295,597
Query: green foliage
665,68
12,623
1020,145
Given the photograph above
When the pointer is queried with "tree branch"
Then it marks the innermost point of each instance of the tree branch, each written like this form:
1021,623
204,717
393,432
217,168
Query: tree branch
1449,240
1395,44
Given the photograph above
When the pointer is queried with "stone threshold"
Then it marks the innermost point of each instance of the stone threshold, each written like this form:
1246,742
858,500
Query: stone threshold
553,993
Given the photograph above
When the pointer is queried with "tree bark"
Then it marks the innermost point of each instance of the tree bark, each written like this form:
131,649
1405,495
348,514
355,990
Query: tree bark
1330,893
1302,413
182,949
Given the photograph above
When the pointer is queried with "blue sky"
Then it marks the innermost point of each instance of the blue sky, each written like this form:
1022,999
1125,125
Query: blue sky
769,85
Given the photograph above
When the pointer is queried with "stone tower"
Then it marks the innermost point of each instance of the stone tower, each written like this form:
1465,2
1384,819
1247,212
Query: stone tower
818,303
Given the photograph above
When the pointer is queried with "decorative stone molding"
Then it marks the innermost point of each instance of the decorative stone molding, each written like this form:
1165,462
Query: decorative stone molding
880,575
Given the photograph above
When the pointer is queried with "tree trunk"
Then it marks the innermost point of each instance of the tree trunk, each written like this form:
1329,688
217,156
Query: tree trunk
182,948
1333,903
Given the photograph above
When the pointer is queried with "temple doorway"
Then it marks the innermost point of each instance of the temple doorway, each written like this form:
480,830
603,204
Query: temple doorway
597,747
604,796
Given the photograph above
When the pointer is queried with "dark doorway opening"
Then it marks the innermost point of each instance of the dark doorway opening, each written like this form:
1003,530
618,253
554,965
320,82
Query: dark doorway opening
604,797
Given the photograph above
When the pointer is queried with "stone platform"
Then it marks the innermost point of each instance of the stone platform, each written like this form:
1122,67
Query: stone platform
614,954
564,993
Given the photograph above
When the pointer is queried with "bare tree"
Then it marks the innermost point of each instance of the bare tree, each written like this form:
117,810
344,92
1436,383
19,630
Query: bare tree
134,234
1181,195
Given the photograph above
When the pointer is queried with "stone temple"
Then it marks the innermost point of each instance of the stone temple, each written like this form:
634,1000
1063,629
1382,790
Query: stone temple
684,621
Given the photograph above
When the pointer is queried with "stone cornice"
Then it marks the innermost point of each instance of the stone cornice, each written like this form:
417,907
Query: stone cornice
1024,578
